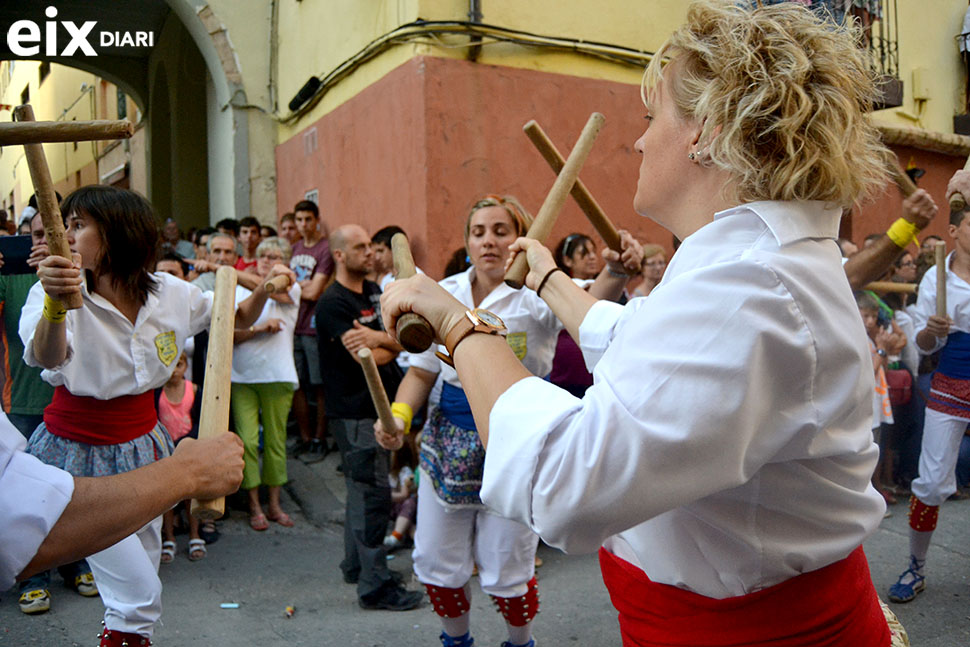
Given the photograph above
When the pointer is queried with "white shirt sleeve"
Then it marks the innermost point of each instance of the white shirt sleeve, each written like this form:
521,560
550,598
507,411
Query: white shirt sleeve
687,402
32,498
597,329
30,315
925,308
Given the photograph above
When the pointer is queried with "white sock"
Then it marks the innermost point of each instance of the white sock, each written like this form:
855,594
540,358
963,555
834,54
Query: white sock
520,635
457,627
919,544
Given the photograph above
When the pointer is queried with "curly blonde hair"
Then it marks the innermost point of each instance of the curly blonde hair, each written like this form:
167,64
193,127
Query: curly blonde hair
782,99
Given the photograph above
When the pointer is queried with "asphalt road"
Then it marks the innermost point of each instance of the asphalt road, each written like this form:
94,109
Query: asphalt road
266,572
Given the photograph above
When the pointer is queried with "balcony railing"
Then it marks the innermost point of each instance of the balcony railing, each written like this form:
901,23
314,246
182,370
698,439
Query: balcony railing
880,36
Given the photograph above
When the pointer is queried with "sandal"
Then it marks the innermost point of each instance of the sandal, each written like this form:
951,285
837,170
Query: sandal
909,584
208,532
258,522
196,549
168,552
282,519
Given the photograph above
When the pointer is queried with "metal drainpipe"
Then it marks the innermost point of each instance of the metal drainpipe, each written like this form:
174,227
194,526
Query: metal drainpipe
475,16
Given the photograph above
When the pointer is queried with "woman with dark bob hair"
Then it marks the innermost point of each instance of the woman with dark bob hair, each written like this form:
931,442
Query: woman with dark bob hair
721,461
105,360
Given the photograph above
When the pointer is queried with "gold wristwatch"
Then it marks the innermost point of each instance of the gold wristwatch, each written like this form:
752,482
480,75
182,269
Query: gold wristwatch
478,320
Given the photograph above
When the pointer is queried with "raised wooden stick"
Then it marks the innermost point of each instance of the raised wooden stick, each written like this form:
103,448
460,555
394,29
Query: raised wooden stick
940,252
50,212
580,193
413,331
542,225
214,418
39,132
905,183
377,393
277,284
891,286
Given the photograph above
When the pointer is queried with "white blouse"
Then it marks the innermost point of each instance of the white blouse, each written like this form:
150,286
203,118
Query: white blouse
533,328
725,444
957,303
107,355
268,357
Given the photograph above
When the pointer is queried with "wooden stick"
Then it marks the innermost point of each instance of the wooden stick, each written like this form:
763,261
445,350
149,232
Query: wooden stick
277,284
413,331
957,201
38,132
906,185
50,212
214,418
940,252
377,393
546,218
891,286
580,193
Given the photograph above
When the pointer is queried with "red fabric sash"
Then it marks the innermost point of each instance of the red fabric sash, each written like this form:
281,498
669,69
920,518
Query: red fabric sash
100,422
834,606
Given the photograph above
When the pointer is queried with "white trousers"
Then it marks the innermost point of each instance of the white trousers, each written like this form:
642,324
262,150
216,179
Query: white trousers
127,578
938,457
449,542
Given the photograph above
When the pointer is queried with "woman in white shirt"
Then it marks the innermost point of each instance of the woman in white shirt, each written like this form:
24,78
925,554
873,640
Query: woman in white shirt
263,380
724,449
455,531
105,360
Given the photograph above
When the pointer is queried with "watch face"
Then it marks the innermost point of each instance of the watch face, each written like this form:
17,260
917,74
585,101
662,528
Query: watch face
489,318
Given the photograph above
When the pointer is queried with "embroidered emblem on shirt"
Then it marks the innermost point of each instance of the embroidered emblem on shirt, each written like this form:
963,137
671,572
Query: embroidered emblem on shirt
518,341
166,346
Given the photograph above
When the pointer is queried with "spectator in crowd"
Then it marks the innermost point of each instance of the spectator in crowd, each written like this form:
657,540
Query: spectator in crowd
265,231
221,250
404,496
172,263
25,397
348,319
288,229
929,244
383,258
458,262
228,226
654,264
172,240
576,256
312,264
179,408
263,380
249,237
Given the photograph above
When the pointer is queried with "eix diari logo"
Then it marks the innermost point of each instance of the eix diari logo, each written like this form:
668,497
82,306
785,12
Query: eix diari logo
24,37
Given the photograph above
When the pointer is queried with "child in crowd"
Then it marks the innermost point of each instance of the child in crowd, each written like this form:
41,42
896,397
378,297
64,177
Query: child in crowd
178,411
404,497
882,344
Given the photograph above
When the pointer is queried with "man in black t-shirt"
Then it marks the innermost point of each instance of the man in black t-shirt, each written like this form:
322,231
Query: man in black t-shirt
348,318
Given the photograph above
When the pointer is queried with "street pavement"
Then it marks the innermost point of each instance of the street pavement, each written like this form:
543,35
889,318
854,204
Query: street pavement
266,572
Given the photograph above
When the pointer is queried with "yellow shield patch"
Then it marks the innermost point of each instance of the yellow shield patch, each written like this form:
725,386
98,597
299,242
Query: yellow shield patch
518,341
166,346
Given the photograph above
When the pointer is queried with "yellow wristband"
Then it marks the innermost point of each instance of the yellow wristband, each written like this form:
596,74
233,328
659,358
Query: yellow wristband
902,232
403,411
54,311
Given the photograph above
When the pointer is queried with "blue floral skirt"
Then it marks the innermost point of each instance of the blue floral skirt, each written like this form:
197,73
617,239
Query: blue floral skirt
82,459
454,460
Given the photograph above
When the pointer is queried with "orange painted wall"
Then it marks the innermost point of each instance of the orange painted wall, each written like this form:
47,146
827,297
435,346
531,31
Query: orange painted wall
418,147
876,216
